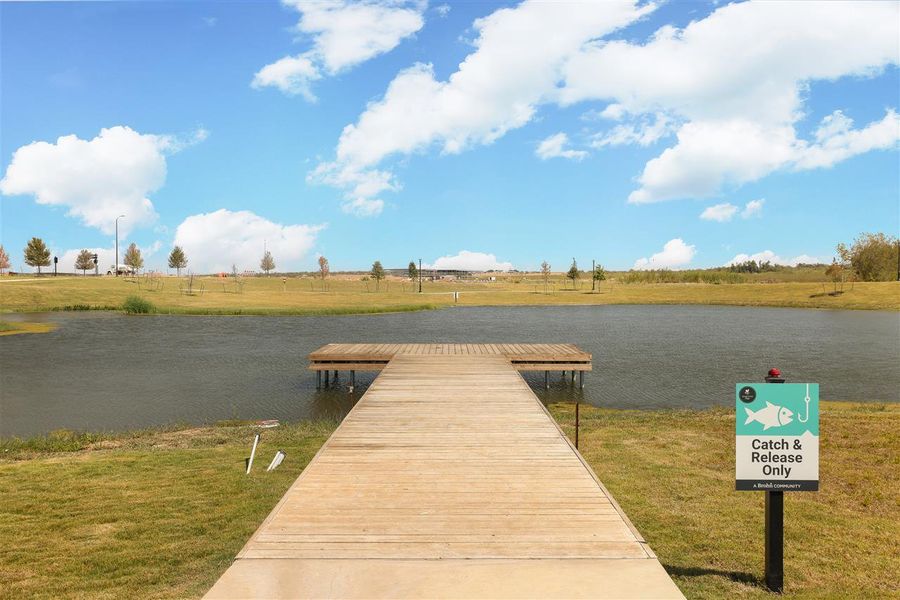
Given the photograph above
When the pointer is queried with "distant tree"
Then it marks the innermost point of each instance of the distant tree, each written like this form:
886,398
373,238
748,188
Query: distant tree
37,254
84,261
599,274
873,256
545,275
836,273
177,259
323,270
234,272
4,259
412,270
377,273
133,257
267,263
573,273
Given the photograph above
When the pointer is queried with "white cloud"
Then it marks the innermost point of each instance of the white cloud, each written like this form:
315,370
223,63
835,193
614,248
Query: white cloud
344,34
363,207
642,132
97,179
674,254
497,87
554,147
442,10
291,74
752,208
769,256
719,212
471,261
739,107
836,140
215,241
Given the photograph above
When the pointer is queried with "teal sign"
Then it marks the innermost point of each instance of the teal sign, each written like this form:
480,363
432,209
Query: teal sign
777,436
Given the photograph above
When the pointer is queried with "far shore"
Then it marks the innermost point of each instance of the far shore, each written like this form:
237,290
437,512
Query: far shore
346,295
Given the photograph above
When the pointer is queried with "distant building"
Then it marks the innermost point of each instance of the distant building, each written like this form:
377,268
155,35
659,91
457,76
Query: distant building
433,274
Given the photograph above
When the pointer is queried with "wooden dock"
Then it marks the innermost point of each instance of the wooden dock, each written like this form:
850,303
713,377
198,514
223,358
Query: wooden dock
448,479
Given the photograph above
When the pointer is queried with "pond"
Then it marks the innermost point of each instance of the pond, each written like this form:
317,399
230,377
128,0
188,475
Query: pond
102,371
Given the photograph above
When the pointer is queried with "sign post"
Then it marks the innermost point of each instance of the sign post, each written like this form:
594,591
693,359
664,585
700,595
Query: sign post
776,450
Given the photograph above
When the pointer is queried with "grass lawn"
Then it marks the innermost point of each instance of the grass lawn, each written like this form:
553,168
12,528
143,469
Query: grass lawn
161,514
348,294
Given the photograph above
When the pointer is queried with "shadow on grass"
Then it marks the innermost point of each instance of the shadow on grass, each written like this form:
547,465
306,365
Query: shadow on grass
736,576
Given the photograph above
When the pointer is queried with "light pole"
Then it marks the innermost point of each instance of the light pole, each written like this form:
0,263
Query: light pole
116,266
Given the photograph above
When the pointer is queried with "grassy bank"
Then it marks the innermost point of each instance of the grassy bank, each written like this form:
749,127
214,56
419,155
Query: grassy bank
350,295
161,514
18,327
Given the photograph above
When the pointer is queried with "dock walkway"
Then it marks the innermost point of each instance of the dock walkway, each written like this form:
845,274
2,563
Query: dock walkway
448,479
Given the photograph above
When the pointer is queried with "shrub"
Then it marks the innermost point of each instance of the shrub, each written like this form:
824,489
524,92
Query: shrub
135,305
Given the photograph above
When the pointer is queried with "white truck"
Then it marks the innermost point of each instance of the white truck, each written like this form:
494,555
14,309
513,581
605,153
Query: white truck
123,270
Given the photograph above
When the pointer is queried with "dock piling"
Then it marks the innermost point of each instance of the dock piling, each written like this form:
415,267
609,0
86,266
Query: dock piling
546,380
352,380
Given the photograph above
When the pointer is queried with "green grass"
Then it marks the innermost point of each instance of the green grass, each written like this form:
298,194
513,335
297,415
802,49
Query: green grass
135,305
347,294
162,513
673,474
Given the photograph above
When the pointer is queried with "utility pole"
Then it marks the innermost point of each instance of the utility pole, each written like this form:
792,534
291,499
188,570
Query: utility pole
116,267
593,270
420,275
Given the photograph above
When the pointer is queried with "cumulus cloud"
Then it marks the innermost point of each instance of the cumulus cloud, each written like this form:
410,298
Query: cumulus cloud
769,256
98,179
726,211
675,253
471,261
752,208
215,241
737,109
555,147
719,212
343,34
497,88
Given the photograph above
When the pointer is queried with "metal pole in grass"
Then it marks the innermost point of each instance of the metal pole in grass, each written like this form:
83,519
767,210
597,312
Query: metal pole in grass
420,275
116,267
774,524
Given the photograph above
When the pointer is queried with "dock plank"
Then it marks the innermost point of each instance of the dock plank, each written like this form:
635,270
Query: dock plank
442,480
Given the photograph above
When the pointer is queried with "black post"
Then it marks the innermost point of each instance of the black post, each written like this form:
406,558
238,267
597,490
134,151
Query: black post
546,380
352,380
775,541
55,260
318,380
577,404
420,275
593,281
775,524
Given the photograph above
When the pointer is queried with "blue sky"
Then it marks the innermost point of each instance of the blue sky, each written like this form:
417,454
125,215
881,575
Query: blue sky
596,131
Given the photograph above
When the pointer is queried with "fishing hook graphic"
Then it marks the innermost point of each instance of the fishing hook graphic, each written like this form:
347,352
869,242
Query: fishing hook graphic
805,418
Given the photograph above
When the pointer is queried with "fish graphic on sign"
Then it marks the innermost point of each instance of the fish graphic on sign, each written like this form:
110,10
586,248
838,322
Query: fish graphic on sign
770,416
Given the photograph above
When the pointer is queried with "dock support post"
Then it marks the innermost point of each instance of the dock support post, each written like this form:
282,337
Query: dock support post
581,379
573,377
546,380
318,380
577,404
352,380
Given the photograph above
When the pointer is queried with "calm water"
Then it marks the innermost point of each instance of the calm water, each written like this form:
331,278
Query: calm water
108,371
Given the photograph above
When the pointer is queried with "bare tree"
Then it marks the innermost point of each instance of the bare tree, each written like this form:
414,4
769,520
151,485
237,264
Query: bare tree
545,275
4,259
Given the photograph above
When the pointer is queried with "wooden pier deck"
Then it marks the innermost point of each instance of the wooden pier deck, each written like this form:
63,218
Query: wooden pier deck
448,479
